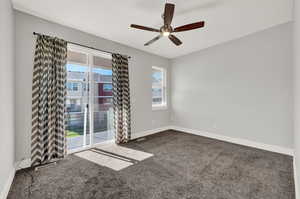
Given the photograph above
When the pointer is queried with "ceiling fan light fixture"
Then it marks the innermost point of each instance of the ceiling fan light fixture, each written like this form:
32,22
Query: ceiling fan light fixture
165,33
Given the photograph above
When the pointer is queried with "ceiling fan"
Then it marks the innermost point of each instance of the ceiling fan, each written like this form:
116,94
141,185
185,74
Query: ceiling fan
166,30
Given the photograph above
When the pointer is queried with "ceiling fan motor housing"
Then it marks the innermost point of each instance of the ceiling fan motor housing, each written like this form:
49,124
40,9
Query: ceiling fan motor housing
166,28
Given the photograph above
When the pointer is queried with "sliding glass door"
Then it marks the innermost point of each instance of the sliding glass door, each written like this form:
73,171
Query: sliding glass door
89,98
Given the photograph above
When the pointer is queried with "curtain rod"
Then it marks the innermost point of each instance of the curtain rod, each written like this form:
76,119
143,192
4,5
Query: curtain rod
35,33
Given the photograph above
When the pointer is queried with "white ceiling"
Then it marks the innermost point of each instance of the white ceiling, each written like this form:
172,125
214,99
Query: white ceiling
225,19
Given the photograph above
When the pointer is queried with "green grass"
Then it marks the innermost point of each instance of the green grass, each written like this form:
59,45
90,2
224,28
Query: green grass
71,134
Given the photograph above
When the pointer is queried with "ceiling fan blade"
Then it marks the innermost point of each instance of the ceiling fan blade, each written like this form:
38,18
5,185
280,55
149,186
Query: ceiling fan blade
153,40
144,28
175,40
168,14
189,26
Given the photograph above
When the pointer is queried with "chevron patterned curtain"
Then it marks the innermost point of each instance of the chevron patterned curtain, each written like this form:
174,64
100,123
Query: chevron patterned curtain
121,98
48,140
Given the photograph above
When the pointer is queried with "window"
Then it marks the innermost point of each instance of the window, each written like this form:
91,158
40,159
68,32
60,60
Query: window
74,105
75,86
158,87
72,86
107,87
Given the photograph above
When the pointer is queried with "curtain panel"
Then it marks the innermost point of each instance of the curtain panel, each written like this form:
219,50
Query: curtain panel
121,98
48,139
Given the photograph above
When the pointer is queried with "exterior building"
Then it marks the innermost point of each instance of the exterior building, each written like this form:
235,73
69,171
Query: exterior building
78,98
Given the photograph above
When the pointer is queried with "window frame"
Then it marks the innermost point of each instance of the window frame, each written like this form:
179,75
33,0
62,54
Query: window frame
164,104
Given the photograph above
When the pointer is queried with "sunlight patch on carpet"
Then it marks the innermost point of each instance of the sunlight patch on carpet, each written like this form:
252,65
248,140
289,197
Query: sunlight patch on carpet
113,156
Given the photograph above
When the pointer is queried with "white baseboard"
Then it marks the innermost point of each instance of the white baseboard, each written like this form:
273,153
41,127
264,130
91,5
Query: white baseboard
5,190
149,132
267,147
24,163
295,179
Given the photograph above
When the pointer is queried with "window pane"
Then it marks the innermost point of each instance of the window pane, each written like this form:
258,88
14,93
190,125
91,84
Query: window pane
103,108
157,95
158,91
157,77
77,124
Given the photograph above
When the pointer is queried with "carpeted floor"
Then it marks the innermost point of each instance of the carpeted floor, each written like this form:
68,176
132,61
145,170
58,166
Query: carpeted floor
183,166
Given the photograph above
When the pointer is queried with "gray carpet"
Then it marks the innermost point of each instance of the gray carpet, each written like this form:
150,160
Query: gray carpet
184,166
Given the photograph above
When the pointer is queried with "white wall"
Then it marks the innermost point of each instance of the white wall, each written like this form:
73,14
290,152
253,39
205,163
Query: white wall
297,94
143,118
240,89
7,145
